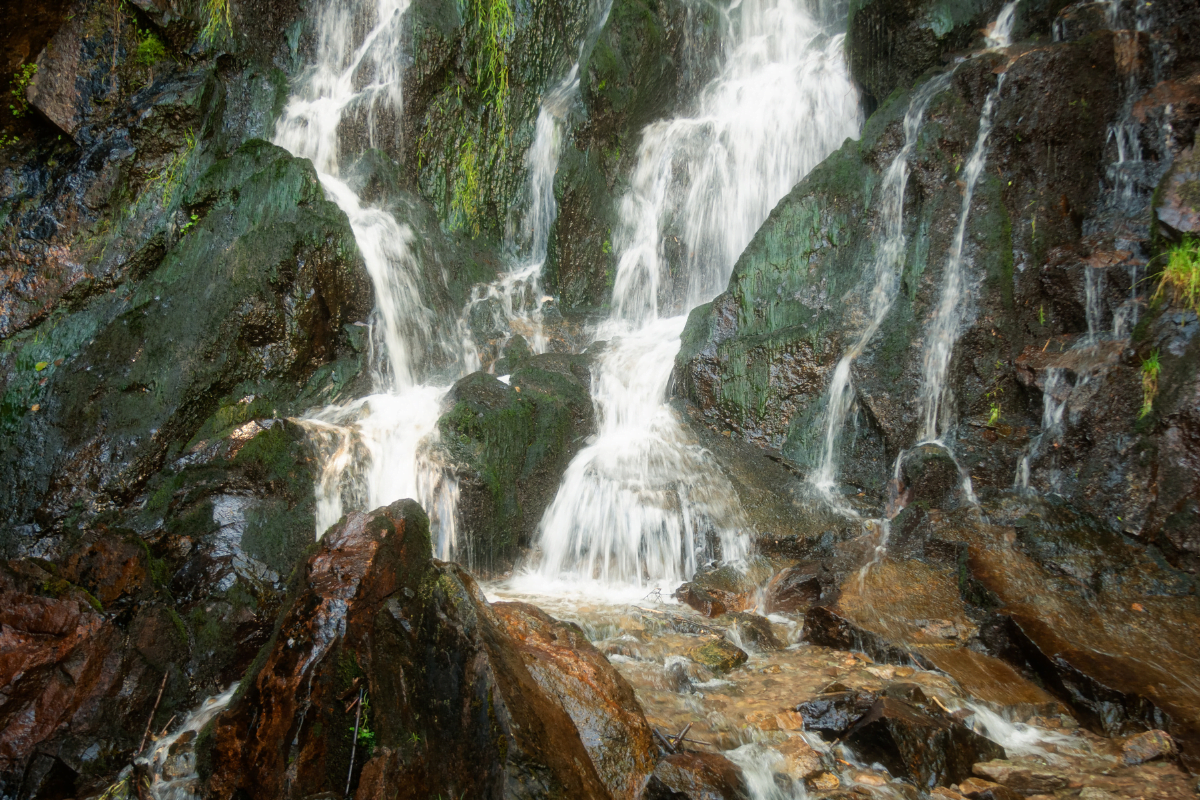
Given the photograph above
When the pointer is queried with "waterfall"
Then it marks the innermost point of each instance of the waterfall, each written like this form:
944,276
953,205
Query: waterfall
886,273
376,449
642,504
948,318
516,301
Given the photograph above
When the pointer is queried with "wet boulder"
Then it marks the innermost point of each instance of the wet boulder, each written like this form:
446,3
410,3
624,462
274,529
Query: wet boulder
929,476
754,631
696,776
832,714
926,749
1148,746
1177,211
794,590
510,445
716,589
1022,779
461,697
73,677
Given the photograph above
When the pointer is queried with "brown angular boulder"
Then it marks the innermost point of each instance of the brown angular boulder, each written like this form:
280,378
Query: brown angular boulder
794,590
71,676
929,750
696,776
461,698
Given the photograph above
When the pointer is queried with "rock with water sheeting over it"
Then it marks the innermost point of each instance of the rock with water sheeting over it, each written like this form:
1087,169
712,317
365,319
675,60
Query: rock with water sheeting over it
464,697
926,749
719,655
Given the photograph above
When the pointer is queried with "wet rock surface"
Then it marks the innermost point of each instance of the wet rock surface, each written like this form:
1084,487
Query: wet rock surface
510,442
463,696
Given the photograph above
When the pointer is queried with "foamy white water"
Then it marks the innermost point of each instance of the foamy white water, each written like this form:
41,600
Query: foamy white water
643,505
379,449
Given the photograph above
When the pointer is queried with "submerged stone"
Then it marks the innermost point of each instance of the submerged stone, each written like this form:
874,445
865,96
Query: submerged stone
719,655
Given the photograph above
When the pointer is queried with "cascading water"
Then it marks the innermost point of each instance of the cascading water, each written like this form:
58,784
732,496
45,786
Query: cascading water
516,301
375,450
886,274
1054,403
642,504
947,322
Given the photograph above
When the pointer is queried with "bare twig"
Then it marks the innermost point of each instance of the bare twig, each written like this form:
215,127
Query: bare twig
665,741
354,746
146,735
164,730
682,734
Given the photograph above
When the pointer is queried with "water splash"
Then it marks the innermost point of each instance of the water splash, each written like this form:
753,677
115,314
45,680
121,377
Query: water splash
943,332
172,769
643,503
886,274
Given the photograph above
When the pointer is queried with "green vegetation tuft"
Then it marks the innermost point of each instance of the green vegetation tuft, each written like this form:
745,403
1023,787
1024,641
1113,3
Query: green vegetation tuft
1182,274
464,205
150,49
170,177
1150,370
21,79
216,17
495,20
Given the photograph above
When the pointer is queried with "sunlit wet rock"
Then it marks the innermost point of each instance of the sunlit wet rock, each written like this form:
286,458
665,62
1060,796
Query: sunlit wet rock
719,655
696,776
459,696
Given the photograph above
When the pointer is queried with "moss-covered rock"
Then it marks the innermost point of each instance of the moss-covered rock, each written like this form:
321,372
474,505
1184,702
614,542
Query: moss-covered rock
758,360
510,444
719,655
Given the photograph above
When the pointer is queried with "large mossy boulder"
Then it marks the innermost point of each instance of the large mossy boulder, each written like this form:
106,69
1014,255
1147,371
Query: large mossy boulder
254,299
510,444
759,359
461,697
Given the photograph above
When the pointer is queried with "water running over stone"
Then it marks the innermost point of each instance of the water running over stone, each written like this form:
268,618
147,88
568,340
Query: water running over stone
948,318
886,274
643,503
377,449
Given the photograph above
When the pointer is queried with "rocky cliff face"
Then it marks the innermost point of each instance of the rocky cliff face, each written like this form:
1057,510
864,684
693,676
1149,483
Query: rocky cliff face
177,292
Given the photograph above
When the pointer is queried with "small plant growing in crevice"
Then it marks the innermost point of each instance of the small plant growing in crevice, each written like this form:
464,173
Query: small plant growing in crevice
19,106
1181,275
465,202
150,49
191,223
1150,370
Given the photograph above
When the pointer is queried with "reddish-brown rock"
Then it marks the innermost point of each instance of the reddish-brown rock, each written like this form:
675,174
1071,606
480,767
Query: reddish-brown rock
464,698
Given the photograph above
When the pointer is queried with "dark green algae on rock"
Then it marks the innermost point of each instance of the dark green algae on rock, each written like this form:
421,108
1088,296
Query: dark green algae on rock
758,359
509,444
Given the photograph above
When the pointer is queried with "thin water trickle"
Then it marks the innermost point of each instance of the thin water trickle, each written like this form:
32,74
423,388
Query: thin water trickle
172,769
888,262
643,504
1054,404
943,332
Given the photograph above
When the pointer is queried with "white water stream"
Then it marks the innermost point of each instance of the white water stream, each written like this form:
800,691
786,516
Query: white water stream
376,450
643,505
